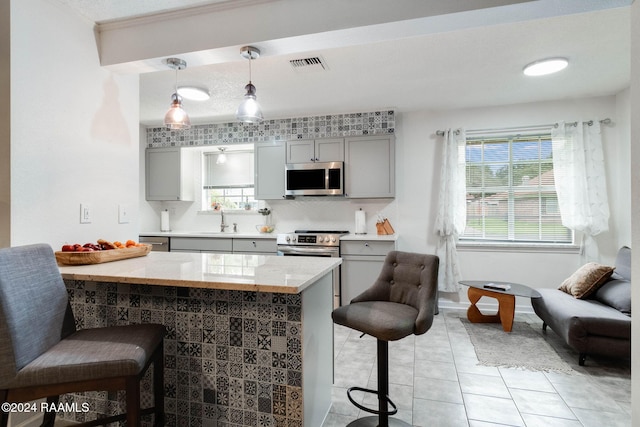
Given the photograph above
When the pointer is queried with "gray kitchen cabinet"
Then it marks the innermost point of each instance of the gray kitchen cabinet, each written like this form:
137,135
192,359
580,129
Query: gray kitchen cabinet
236,245
269,170
315,150
361,265
201,244
170,174
255,246
369,165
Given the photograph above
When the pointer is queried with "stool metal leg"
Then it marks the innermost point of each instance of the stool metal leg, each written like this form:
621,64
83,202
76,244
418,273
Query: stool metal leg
383,383
382,419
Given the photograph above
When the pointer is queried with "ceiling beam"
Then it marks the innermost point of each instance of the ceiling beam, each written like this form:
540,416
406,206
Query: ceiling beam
212,34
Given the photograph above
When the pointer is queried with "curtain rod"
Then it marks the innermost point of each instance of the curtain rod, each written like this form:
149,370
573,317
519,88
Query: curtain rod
523,128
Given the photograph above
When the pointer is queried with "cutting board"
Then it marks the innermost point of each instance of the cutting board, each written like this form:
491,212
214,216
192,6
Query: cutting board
98,257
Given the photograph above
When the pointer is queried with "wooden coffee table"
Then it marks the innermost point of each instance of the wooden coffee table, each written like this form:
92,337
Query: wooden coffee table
506,301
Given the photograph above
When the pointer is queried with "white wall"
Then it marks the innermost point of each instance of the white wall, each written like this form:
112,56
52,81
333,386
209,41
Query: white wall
635,204
619,167
5,131
418,174
74,131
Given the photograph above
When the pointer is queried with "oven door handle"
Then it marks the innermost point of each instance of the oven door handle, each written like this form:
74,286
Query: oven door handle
309,251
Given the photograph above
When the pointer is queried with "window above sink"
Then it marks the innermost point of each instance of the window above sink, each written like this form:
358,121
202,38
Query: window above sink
228,178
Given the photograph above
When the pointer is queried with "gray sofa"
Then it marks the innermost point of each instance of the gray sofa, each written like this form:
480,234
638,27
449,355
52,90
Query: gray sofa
599,324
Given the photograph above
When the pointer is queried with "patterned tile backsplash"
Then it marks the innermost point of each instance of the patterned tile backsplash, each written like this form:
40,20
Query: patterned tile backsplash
337,125
232,358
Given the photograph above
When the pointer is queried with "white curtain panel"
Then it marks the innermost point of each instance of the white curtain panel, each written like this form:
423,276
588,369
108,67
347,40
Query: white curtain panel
578,167
452,210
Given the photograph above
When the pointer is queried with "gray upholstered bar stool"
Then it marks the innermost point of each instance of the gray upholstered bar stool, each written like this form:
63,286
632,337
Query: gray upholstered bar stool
43,356
401,302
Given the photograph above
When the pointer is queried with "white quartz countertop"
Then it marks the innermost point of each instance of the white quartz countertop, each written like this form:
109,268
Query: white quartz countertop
370,237
289,275
209,234
217,235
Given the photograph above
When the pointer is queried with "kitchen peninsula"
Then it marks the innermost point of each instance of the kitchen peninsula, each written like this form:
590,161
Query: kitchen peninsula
250,337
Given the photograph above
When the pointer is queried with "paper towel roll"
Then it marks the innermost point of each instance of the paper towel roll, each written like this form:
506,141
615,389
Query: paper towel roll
164,221
361,222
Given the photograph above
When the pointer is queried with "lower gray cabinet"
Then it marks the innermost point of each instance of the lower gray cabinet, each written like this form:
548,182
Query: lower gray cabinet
361,265
255,246
224,245
201,244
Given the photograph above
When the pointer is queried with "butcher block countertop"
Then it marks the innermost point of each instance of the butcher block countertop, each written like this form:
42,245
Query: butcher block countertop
288,275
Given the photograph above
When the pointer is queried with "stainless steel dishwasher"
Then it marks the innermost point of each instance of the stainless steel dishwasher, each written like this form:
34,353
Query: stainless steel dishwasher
159,244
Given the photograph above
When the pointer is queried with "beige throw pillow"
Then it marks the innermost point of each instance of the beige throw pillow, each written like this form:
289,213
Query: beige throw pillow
586,280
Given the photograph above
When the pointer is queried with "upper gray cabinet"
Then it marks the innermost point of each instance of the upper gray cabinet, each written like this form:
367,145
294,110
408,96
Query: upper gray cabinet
318,150
169,174
269,170
369,165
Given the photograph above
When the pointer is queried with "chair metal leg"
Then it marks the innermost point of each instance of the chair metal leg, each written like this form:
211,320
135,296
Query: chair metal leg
383,383
382,419
4,416
49,418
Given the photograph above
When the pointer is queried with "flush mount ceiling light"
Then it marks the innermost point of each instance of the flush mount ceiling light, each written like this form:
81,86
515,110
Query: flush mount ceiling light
546,66
249,110
222,158
176,117
194,93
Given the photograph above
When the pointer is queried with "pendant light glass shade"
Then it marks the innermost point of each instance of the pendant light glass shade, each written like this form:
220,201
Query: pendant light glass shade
176,117
222,158
249,111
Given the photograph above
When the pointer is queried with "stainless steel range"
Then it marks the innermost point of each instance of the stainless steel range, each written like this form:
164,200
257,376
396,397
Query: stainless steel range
314,243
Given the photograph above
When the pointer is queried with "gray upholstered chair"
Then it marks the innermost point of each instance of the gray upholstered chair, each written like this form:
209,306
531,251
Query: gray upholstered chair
42,356
401,302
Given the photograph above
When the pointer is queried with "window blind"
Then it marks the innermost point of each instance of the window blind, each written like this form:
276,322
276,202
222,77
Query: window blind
511,195
236,172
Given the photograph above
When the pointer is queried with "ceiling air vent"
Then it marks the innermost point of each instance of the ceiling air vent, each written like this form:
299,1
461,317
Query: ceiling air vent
305,65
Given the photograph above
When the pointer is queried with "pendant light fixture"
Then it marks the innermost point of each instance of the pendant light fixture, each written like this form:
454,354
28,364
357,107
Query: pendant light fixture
249,110
222,158
176,117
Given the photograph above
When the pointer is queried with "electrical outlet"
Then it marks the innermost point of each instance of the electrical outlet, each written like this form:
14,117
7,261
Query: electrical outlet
85,213
123,214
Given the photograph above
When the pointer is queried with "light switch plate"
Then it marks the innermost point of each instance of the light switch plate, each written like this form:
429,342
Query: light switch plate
123,214
85,213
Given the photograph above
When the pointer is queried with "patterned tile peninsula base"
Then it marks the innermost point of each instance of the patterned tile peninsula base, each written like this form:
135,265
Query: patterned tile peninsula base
232,358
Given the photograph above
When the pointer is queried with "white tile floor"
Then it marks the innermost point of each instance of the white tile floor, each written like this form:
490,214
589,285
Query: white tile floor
435,380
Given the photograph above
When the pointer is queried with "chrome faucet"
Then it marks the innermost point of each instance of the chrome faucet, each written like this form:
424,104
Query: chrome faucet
222,224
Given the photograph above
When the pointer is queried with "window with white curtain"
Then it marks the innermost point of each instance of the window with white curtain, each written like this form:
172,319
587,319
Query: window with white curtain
229,184
511,194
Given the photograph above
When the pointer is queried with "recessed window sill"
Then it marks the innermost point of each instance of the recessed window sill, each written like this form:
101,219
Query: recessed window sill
517,247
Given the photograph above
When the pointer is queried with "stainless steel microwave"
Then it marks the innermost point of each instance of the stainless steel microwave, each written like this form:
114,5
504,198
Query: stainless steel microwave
314,179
